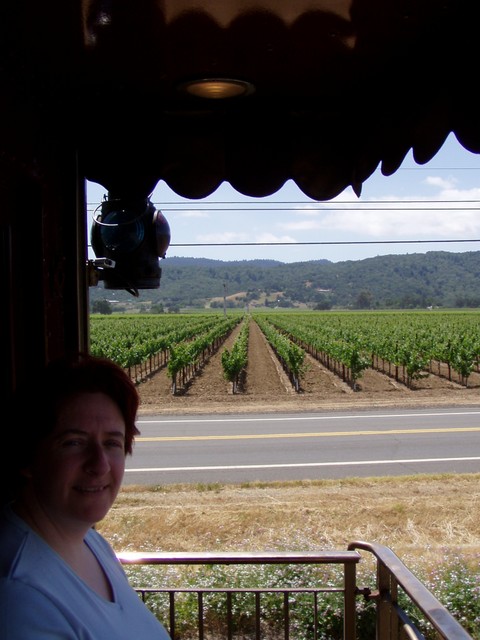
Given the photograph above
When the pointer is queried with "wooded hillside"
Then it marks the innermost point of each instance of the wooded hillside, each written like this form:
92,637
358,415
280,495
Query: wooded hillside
417,280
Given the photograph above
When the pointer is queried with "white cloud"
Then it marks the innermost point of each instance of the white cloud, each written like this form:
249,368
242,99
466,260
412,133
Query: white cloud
303,225
443,183
192,214
457,194
444,217
305,210
225,237
270,237
427,223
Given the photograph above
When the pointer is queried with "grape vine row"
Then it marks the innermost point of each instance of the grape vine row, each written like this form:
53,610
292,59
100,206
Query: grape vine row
404,345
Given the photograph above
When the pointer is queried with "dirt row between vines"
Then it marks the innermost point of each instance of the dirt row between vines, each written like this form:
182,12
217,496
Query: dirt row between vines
267,388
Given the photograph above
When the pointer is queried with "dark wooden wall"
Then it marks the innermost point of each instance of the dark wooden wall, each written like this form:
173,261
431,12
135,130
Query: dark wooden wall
44,296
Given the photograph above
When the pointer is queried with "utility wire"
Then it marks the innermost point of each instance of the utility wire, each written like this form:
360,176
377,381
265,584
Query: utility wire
318,206
323,242
320,203
195,203
314,242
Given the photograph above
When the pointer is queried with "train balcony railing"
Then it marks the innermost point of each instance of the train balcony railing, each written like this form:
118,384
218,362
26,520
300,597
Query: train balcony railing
309,595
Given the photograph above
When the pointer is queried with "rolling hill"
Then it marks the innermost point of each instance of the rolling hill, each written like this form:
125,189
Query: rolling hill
417,280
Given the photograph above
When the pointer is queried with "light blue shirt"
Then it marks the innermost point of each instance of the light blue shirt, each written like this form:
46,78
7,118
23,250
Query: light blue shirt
42,598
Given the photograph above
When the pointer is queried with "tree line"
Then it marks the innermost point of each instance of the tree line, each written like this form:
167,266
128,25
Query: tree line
413,281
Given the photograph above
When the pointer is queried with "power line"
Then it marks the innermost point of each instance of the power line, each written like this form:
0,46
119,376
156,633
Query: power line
323,242
322,207
205,203
381,206
326,203
327,209
315,242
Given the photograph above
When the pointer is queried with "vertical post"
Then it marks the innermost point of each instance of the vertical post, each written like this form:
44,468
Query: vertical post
384,610
224,298
349,609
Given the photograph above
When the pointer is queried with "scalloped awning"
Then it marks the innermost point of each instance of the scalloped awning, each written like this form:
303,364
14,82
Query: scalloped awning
340,87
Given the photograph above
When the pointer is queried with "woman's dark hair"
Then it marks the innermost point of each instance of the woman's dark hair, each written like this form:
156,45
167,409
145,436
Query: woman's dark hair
89,374
35,406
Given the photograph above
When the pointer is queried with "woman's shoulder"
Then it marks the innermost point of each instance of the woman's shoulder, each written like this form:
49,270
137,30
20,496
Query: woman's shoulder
8,518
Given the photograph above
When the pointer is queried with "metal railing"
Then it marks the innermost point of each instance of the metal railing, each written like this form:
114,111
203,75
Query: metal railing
391,620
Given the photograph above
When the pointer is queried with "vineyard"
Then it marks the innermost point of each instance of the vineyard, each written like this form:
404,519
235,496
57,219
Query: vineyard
301,360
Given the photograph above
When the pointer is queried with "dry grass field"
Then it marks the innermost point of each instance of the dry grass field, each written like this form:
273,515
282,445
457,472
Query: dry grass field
421,518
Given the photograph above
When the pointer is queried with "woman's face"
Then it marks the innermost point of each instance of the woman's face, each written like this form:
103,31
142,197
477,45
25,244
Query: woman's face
79,468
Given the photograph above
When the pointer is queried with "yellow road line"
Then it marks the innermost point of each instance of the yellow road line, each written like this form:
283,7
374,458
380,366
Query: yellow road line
324,434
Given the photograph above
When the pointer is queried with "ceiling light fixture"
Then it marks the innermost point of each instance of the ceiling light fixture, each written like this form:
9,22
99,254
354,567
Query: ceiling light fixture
217,88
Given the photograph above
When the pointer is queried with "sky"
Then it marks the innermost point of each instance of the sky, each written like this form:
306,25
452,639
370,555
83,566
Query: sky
438,201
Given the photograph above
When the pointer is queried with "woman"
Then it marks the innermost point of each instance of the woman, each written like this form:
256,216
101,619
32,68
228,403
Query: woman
59,578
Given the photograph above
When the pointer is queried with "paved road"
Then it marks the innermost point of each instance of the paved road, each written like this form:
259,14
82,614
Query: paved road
269,447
